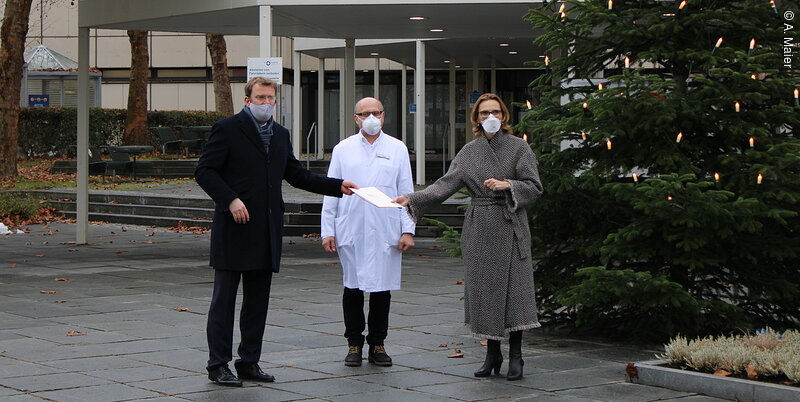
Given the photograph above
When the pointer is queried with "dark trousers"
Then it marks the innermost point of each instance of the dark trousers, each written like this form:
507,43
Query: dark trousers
378,321
252,318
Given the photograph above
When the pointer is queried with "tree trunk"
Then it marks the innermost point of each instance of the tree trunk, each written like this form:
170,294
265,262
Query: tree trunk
219,72
12,36
136,119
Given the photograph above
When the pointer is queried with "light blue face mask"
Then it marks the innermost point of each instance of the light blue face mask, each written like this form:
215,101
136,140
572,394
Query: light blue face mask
491,124
262,113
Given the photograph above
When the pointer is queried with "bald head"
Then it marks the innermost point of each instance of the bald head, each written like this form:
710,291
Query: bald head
368,103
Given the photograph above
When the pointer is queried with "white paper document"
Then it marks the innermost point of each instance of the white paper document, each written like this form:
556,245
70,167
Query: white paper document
376,197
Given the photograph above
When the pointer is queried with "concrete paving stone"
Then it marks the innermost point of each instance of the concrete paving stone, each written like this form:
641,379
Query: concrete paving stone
559,380
41,309
436,358
244,395
21,398
333,328
10,368
49,382
285,374
277,332
464,370
93,363
410,378
132,374
59,334
285,318
178,385
8,335
400,308
477,390
560,362
611,371
184,359
313,341
551,397
6,392
329,387
419,340
16,348
338,369
110,392
697,398
402,321
625,392
618,354
446,329
305,357
392,395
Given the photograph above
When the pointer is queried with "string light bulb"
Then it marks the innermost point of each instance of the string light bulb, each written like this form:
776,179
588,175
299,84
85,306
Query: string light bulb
752,142
600,87
608,143
737,106
585,105
760,178
682,5
583,135
669,198
752,43
680,136
635,177
610,4
525,137
796,97
719,42
528,103
716,177
753,76
546,61
627,62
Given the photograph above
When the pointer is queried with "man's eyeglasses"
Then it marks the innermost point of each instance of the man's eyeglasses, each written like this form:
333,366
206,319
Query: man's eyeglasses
364,115
262,98
485,113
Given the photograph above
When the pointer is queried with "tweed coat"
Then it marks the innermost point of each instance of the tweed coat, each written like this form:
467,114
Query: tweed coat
234,165
495,242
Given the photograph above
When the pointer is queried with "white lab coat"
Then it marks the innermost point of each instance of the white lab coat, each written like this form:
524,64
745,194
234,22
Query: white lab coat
367,236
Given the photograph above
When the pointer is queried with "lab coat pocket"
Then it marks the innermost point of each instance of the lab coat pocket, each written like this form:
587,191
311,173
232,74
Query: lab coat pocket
343,230
387,173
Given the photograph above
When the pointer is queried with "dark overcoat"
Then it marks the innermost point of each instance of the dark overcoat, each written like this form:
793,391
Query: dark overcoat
234,165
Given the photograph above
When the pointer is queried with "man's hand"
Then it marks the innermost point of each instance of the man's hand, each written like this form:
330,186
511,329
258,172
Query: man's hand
346,186
329,244
406,242
239,211
402,200
497,185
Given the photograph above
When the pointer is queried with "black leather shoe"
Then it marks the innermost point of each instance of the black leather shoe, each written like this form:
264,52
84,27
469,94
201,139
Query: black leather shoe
377,356
353,358
251,371
222,375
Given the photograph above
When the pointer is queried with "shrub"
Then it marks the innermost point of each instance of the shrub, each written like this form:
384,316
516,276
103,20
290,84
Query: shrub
19,206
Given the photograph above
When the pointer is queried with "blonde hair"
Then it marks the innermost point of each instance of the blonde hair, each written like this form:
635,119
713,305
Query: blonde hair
248,88
475,117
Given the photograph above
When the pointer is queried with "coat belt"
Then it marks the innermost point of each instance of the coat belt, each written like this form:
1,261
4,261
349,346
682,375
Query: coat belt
509,217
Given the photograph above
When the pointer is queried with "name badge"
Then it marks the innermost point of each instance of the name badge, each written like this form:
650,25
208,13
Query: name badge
382,156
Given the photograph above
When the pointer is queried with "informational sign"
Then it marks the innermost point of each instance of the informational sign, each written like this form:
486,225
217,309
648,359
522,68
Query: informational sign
269,67
412,108
38,100
473,97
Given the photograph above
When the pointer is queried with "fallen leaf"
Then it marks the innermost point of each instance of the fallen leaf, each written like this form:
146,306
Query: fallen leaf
60,301
458,343
457,354
123,229
113,202
722,373
459,282
68,242
39,255
113,233
120,252
484,342
442,345
76,333
751,372
49,233
72,250
181,309
61,279
13,266
151,234
148,242
330,265
48,292
632,371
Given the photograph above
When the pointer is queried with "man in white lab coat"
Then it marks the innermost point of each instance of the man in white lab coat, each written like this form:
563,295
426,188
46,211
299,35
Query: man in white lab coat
370,240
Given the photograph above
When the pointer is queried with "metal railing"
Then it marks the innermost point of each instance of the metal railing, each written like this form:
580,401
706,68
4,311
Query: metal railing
308,143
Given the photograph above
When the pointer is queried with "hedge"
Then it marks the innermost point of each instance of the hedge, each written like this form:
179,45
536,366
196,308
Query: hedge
51,130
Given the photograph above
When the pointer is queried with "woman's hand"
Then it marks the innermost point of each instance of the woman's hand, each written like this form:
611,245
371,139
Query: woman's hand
497,185
402,200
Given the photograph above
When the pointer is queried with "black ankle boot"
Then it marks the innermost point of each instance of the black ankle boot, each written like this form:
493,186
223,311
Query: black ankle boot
515,362
494,358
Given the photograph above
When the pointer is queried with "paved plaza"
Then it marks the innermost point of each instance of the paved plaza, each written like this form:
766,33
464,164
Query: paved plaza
123,318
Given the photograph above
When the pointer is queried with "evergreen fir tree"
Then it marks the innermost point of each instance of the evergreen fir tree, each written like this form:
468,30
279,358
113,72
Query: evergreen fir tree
669,151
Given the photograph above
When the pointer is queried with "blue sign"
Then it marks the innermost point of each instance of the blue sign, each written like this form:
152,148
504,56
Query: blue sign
412,108
38,100
473,97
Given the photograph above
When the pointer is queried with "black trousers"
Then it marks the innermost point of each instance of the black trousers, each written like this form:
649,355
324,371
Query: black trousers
378,321
252,318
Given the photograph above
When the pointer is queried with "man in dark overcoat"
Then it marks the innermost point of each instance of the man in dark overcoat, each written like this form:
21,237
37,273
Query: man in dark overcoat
242,166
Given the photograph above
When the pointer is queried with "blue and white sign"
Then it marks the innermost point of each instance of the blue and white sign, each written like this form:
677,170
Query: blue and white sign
412,108
269,67
473,97
38,100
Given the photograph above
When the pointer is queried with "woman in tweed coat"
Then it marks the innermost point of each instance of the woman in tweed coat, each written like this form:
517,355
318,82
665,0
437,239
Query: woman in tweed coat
500,173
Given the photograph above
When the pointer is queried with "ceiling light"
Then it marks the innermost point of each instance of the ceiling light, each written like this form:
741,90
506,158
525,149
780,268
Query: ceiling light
457,66
503,44
374,54
512,52
437,30
416,18
447,61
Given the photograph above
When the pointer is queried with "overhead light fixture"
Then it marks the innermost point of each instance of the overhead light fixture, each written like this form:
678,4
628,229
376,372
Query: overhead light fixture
503,44
374,54
437,30
364,71
416,18
447,61
457,66
512,52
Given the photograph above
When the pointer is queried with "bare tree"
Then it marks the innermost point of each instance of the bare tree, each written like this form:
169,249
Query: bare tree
136,119
12,37
219,73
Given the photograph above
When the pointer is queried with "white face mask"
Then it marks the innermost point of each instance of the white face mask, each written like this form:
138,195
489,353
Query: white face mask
262,113
491,124
371,125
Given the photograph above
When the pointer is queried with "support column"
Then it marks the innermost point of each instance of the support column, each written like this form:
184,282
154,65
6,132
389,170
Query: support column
265,31
320,140
404,104
419,117
342,96
349,85
297,141
82,173
376,79
493,75
451,134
